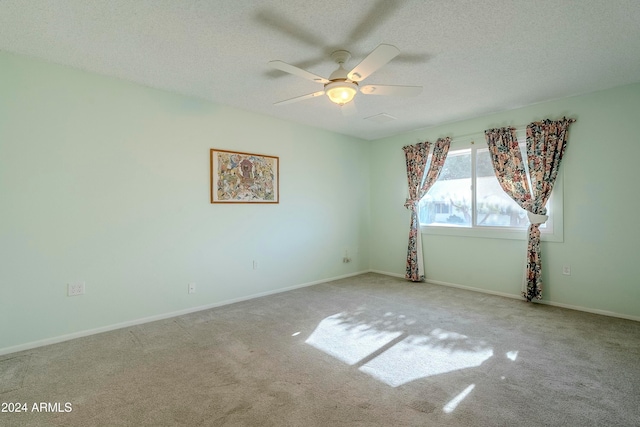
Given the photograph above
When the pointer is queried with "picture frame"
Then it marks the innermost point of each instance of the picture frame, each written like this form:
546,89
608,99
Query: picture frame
239,177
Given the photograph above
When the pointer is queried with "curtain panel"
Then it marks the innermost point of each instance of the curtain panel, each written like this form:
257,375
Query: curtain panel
507,164
420,180
546,145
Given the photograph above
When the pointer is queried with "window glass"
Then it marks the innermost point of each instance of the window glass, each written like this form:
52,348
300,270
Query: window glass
494,207
449,200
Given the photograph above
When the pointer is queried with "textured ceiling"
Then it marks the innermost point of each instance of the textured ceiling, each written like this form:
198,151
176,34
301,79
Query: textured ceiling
472,57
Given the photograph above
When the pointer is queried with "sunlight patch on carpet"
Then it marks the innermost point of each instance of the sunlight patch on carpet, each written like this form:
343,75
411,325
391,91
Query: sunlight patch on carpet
393,357
422,356
348,342
453,403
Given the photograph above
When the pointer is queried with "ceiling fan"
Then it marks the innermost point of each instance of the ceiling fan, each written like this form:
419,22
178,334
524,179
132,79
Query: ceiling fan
342,85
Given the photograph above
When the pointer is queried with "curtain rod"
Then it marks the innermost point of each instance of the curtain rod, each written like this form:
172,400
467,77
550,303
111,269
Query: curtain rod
481,133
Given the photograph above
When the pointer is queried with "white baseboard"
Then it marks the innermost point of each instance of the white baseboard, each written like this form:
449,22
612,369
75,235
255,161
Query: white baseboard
591,310
134,322
470,288
386,273
518,296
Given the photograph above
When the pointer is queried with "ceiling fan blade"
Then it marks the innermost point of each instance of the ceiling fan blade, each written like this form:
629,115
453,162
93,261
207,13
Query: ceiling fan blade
374,61
292,69
300,98
391,90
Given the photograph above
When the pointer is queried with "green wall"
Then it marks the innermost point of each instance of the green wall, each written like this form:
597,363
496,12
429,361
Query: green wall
107,182
600,210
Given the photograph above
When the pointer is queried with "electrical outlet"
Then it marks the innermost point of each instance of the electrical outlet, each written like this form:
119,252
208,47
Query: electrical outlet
192,288
255,265
566,270
74,289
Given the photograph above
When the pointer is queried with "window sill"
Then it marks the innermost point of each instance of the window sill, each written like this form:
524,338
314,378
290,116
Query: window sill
490,233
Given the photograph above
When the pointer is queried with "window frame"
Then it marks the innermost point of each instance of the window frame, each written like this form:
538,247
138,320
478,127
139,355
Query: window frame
553,232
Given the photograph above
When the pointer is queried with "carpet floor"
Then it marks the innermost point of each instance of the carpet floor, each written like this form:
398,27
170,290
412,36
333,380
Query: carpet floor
369,350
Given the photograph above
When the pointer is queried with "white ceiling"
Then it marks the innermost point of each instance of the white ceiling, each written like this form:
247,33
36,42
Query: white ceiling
472,57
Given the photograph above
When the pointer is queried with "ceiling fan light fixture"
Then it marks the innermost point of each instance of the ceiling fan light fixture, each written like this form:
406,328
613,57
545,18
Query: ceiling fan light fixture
341,92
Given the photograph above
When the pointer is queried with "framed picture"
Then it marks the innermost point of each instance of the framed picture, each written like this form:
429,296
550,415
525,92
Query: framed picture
238,177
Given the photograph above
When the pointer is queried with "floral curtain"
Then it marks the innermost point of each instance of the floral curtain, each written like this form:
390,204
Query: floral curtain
507,164
419,184
546,144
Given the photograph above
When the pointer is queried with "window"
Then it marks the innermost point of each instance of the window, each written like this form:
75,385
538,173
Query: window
448,202
468,200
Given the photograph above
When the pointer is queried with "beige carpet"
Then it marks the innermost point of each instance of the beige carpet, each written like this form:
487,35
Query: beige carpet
370,350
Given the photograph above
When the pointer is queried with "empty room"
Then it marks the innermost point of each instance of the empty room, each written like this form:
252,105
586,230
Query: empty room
291,213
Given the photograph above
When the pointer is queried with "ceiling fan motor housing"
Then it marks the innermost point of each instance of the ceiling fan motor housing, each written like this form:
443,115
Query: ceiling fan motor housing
340,89
340,57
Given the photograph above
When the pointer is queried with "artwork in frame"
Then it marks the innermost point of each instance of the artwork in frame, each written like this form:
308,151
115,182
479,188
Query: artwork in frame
238,177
